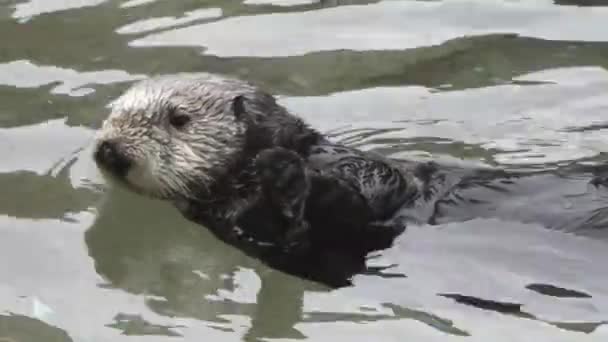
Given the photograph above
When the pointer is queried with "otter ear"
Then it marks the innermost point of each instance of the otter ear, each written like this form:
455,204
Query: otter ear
238,106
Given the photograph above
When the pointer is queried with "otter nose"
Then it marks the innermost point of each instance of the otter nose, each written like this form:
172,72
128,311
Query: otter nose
109,156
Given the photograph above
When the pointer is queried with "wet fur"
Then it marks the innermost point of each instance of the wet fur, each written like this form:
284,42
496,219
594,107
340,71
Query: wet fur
208,170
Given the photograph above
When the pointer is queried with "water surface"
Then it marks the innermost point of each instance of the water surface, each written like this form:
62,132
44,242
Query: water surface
514,84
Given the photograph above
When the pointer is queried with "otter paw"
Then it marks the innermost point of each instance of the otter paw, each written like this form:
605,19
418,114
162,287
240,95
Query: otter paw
296,238
284,183
280,169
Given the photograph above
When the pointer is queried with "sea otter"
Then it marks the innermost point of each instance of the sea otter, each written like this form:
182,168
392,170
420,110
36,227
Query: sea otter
231,158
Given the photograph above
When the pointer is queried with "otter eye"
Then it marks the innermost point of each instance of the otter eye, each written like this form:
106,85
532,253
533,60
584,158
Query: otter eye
178,120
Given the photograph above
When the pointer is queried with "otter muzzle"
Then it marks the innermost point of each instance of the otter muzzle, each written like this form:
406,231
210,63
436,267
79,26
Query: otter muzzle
108,156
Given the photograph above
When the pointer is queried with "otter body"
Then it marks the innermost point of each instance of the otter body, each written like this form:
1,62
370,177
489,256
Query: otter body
231,158
228,156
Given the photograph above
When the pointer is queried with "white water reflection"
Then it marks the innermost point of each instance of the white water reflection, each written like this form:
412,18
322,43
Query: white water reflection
486,258
285,3
42,147
27,10
385,25
503,258
530,123
166,22
66,282
47,148
495,260
135,3
25,74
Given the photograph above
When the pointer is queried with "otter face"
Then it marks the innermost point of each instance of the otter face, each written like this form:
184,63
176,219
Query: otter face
170,137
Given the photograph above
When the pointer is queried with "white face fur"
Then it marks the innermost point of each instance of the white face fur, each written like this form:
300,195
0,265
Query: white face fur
175,133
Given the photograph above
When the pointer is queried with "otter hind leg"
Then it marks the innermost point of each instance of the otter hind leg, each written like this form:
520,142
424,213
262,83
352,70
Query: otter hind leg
286,185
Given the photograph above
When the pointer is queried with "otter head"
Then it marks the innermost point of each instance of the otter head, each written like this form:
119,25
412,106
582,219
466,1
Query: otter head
171,137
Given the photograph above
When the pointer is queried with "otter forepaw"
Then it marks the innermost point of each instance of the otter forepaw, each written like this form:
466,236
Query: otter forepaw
282,172
285,184
296,238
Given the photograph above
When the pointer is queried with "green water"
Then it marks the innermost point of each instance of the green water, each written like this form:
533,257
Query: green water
501,83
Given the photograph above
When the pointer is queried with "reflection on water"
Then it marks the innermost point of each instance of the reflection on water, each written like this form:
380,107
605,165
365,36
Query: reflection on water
135,3
167,22
188,274
556,291
518,125
515,310
134,325
498,84
388,25
30,8
25,329
71,82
